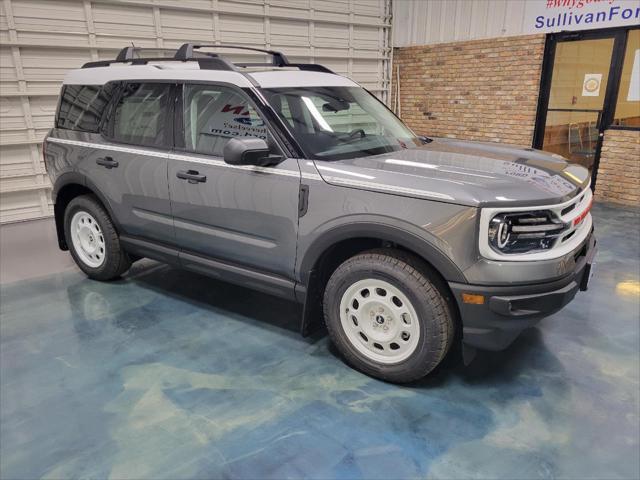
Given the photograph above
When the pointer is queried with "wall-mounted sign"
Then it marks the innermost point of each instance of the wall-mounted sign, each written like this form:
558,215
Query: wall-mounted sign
591,84
559,15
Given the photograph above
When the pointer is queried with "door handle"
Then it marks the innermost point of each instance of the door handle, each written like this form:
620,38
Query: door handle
107,162
192,176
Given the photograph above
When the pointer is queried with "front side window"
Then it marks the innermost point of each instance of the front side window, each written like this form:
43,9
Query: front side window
142,116
333,123
214,114
81,106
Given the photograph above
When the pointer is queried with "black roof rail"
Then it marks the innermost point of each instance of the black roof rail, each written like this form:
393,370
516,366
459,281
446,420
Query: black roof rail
185,52
206,60
312,67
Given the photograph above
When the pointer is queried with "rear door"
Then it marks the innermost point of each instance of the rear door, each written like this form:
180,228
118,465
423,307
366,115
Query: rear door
131,168
244,215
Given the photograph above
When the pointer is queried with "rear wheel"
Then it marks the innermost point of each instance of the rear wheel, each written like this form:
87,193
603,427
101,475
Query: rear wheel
387,315
92,239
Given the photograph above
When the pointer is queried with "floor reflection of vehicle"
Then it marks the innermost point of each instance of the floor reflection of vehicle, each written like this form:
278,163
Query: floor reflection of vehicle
106,309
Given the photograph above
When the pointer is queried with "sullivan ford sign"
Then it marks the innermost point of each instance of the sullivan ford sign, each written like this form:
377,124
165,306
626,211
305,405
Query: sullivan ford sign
559,15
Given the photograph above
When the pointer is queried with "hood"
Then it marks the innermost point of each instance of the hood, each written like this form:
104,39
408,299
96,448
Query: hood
467,173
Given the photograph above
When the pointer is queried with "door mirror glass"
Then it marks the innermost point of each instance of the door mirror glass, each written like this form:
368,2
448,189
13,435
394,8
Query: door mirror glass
249,151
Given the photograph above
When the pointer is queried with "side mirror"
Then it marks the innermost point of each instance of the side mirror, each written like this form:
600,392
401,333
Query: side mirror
249,151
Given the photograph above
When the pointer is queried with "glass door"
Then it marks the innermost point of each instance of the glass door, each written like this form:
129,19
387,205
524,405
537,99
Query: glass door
576,95
576,98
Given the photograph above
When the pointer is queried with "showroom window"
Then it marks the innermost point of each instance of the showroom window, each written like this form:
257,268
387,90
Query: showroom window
142,114
81,106
214,114
590,83
627,113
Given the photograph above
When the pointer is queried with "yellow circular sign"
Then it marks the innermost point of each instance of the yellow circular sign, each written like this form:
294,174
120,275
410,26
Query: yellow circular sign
592,85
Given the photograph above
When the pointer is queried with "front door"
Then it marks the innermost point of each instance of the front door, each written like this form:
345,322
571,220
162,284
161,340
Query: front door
576,95
247,216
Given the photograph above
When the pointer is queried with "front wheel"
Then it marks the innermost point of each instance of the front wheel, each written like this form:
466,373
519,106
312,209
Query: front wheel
388,316
92,239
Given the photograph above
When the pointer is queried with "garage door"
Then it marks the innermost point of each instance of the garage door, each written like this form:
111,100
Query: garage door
41,39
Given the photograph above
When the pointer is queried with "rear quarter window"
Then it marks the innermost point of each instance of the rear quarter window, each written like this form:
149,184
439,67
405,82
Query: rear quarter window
82,106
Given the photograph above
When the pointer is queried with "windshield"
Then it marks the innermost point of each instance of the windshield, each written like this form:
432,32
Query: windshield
336,123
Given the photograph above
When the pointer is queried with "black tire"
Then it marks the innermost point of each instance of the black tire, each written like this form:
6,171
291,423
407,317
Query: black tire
424,289
116,260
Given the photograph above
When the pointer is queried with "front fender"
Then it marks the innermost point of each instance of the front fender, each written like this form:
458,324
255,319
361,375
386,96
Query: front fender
403,234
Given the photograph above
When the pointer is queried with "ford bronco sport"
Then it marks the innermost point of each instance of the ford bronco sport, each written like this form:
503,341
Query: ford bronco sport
293,180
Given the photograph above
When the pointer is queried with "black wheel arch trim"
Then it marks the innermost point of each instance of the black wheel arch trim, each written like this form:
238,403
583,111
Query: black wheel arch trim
76,178
65,179
402,236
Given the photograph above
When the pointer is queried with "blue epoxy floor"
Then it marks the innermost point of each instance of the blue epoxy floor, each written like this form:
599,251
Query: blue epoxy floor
167,374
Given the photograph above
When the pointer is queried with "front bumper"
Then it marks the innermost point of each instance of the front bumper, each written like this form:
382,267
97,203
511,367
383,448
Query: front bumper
507,310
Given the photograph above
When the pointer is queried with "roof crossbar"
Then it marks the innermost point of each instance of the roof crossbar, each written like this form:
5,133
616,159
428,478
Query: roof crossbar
131,55
127,53
186,51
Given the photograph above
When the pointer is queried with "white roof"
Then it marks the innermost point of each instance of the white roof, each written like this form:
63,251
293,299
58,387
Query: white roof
191,71
300,78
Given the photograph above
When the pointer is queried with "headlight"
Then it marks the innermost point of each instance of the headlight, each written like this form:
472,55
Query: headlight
522,232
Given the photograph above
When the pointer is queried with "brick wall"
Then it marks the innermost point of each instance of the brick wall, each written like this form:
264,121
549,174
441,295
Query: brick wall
619,172
478,90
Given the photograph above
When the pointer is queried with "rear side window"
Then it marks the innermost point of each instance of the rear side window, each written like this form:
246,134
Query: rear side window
81,106
142,115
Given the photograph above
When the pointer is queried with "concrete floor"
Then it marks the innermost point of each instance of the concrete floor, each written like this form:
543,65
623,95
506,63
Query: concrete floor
167,374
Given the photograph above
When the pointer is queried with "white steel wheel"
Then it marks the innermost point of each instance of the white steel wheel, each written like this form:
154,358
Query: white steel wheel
87,239
379,321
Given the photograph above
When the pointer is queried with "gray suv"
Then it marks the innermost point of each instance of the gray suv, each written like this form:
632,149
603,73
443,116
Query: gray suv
293,180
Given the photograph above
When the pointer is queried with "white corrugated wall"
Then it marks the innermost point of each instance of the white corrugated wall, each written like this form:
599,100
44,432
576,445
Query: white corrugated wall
41,39
427,22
